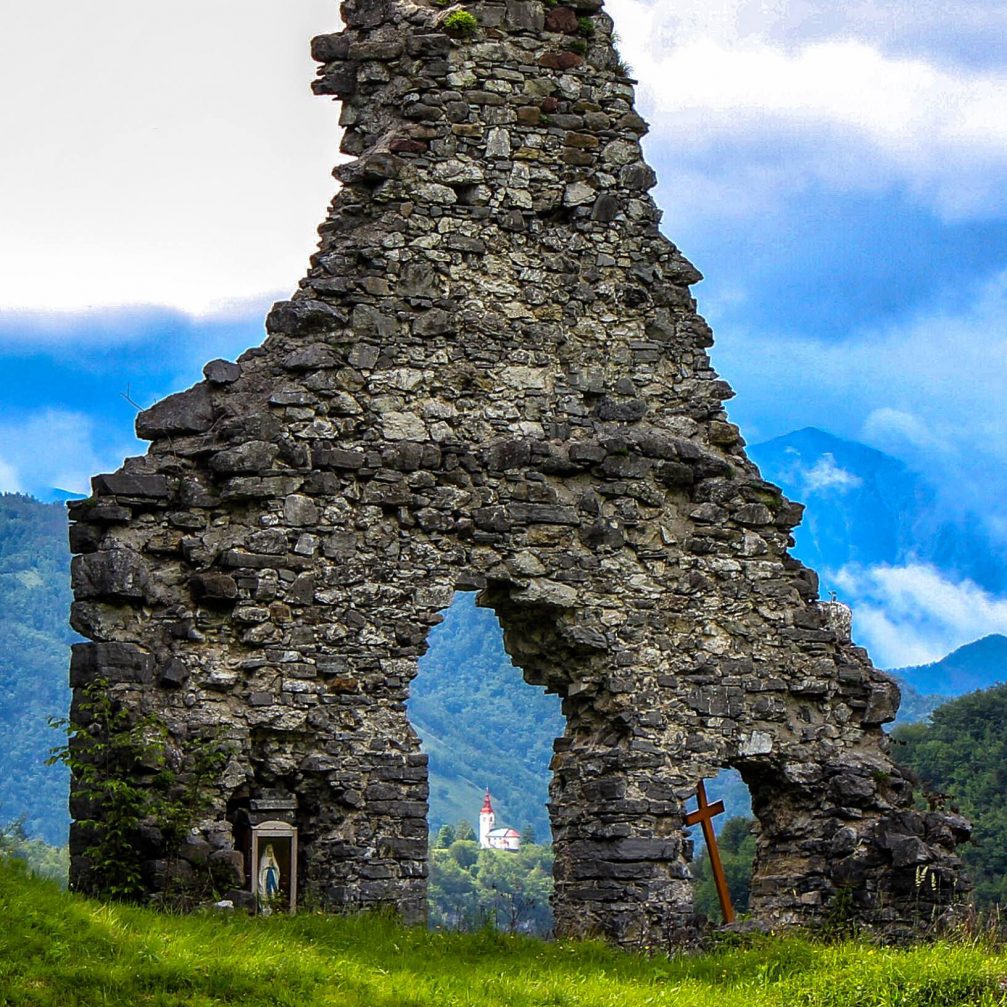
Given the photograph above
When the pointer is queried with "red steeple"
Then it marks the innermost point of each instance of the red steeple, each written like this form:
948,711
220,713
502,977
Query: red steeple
487,806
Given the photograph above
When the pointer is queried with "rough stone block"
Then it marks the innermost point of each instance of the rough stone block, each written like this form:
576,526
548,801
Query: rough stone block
117,572
222,372
214,586
154,487
116,663
188,412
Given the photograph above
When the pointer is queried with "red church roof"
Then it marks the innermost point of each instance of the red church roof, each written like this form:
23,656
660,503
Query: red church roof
487,805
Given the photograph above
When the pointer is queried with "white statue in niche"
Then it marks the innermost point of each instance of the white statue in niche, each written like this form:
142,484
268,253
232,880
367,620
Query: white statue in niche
269,880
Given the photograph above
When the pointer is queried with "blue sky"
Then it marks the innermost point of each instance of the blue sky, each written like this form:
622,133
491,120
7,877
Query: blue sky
838,173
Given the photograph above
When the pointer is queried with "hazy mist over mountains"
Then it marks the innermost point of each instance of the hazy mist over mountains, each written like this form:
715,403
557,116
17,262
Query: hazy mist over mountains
923,573
866,508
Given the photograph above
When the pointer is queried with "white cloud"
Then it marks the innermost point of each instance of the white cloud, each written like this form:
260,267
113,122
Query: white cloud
175,155
160,154
958,31
10,482
126,326
929,390
896,428
58,448
826,474
849,115
912,614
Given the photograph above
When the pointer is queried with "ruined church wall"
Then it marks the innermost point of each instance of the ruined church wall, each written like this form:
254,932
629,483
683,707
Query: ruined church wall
492,378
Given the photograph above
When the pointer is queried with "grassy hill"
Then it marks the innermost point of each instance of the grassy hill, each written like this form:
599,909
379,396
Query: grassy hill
60,950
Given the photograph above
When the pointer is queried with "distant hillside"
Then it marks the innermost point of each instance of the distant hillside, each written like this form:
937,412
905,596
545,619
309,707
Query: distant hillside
865,507
34,655
962,754
916,706
975,666
482,725
56,495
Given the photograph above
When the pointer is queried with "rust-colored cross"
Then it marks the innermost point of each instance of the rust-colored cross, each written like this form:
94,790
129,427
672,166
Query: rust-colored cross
704,814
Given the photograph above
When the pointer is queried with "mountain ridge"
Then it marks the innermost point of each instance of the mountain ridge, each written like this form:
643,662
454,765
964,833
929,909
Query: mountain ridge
977,665
867,508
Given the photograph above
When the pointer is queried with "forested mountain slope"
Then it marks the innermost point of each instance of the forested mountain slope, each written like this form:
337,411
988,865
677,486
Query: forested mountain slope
34,637
961,757
977,665
482,725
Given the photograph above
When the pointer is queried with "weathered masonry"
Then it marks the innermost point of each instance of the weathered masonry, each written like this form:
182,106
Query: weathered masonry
493,379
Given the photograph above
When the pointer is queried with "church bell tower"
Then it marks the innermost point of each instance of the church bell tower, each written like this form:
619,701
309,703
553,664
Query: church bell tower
486,821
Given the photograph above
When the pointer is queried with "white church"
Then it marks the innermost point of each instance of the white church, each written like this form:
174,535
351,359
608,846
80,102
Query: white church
496,839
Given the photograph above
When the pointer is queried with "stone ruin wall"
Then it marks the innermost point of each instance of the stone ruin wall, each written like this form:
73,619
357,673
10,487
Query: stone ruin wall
493,378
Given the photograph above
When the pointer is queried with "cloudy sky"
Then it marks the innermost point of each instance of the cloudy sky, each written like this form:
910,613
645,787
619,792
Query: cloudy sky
837,171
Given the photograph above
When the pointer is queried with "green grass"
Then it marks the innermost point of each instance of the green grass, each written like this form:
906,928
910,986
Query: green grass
60,950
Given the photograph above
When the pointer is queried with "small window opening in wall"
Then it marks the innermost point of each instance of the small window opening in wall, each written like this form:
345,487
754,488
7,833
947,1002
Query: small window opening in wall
734,829
489,737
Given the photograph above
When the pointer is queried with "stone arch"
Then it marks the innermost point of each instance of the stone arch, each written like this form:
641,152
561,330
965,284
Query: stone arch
469,690
493,377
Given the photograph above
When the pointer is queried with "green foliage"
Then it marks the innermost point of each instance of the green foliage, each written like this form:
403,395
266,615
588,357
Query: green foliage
471,888
460,23
120,766
34,655
578,45
445,837
43,860
961,758
585,27
736,843
61,950
465,853
464,830
916,706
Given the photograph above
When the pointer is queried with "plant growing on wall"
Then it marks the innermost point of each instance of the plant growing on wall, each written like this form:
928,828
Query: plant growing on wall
121,772
461,24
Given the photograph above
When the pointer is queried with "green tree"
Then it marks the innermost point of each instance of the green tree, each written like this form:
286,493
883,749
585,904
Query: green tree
736,843
41,859
452,893
465,853
515,888
124,777
464,830
961,759
445,837
471,887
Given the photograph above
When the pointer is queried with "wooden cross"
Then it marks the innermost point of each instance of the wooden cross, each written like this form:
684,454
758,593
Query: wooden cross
704,814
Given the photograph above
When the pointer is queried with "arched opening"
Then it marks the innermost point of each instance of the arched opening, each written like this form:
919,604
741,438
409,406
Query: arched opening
736,831
485,730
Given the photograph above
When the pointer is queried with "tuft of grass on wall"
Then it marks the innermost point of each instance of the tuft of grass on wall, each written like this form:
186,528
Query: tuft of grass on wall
62,950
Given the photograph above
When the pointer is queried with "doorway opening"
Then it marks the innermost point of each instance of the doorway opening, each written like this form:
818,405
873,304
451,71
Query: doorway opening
736,832
489,737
